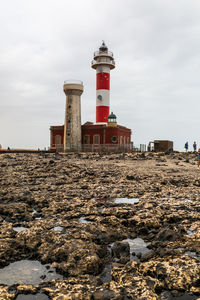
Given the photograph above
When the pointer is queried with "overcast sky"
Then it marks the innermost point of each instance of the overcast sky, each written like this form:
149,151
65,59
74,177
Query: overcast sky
155,87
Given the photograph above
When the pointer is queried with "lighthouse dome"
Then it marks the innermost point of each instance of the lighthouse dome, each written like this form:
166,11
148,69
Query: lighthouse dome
103,47
112,117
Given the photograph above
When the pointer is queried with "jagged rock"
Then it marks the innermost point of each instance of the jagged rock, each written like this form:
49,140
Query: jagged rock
5,294
104,295
167,234
149,255
45,192
121,251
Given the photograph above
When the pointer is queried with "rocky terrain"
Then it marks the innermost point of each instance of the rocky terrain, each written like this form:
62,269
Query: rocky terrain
61,211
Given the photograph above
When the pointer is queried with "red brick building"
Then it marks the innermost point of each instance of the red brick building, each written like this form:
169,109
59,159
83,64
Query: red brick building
108,137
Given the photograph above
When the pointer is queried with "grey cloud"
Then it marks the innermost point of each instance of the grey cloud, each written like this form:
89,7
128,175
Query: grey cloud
154,88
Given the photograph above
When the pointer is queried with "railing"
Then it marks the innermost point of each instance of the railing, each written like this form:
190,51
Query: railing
107,148
96,53
103,61
104,148
97,148
139,148
57,147
73,81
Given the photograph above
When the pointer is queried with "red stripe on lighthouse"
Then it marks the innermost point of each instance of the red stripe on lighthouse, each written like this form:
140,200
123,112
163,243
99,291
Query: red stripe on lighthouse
102,113
103,81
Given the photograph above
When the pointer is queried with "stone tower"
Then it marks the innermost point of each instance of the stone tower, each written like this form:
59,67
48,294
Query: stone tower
72,127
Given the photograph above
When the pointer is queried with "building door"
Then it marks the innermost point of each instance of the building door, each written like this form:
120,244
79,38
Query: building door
96,139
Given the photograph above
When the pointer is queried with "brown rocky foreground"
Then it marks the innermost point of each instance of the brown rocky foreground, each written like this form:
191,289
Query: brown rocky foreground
66,204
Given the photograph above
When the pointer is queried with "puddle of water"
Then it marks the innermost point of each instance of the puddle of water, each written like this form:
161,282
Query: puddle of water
57,228
193,254
118,200
137,245
83,220
126,200
20,228
28,272
32,297
190,233
190,253
38,218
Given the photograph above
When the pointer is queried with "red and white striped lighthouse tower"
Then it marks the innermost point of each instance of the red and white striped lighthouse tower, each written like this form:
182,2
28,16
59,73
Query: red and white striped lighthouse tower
103,62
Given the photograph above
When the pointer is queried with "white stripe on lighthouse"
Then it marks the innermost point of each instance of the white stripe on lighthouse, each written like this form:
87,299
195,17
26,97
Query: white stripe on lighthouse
103,69
102,98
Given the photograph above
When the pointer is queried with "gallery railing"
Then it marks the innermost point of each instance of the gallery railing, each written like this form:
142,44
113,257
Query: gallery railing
106,148
97,147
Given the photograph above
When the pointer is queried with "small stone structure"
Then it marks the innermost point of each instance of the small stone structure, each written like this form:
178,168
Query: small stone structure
163,145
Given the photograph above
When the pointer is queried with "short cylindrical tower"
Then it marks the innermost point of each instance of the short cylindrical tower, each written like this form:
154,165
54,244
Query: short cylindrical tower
112,120
72,129
103,62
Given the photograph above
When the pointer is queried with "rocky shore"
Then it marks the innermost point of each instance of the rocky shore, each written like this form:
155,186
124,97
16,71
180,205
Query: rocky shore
61,212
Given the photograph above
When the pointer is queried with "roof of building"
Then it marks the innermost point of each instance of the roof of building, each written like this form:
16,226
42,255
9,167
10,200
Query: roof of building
95,126
57,127
112,116
91,125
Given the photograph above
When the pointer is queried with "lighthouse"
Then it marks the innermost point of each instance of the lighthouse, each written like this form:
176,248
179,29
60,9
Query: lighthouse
106,135
103,62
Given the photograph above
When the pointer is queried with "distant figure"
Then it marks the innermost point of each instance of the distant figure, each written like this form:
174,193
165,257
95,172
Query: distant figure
0,147
195,146
149,147
8,148
186,146
199,157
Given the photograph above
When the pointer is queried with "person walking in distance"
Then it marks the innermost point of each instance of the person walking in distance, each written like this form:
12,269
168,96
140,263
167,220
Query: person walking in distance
199,157
186,146
195,146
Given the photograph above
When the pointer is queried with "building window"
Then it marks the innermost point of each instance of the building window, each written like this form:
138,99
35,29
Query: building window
57,139
127,140
96,139
114,139
124,140
120,140
86,139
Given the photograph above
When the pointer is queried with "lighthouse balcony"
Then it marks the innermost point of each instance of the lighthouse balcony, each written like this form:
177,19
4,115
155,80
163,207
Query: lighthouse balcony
73,81
102,53
103,61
